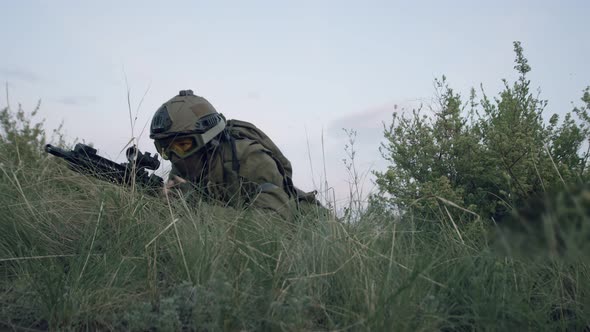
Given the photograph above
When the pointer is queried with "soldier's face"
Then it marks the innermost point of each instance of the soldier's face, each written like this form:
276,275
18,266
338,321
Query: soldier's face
192,167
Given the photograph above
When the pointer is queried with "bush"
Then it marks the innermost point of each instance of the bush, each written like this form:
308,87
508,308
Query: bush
487,157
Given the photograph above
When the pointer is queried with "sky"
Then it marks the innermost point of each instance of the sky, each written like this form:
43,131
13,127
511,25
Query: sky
300,70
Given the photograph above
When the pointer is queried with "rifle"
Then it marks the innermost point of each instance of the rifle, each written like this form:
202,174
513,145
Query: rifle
83,159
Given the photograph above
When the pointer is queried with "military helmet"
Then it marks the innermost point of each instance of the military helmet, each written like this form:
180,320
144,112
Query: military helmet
185,124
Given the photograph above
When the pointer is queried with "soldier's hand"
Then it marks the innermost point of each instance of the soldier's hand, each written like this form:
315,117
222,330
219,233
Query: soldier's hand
173,183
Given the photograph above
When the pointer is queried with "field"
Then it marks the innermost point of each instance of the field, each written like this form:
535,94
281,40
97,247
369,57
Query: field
81,254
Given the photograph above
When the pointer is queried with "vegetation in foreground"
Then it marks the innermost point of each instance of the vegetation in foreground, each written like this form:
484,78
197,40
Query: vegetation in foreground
79,254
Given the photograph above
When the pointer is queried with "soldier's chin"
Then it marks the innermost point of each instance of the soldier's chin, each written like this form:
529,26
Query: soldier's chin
191,167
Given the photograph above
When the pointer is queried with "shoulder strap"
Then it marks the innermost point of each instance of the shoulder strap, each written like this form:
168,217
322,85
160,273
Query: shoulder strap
235,162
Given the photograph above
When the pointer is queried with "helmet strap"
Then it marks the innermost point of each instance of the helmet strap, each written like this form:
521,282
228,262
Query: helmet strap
213,144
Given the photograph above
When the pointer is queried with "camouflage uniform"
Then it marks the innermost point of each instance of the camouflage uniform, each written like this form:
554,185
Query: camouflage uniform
230,165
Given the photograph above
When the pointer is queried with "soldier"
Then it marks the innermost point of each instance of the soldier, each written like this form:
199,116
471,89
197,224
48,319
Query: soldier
229,161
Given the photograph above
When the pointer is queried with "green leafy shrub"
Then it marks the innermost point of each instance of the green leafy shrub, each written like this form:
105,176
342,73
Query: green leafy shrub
486,156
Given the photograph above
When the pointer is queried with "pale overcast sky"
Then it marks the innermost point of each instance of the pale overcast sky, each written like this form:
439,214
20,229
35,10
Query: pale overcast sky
290,67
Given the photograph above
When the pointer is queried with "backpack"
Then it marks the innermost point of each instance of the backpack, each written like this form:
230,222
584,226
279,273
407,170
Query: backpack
242,129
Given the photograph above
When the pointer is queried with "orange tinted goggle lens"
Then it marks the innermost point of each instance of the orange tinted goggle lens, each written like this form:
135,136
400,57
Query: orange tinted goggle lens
180,146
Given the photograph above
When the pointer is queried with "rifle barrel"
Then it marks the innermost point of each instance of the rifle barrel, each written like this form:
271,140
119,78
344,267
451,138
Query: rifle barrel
54,150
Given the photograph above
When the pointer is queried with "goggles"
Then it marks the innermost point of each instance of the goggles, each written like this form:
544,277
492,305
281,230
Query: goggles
184,145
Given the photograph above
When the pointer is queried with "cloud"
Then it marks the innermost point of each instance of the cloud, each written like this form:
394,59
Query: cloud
19,74
368,123
77,100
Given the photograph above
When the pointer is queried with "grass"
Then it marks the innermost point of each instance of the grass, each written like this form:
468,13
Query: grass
80,254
